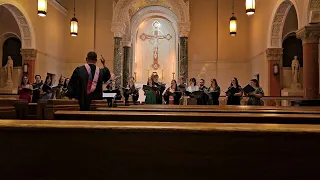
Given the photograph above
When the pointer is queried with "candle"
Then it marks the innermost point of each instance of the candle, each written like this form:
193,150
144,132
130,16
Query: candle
162,74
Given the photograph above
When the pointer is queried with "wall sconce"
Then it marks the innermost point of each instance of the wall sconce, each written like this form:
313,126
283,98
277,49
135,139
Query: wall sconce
276,69
25,68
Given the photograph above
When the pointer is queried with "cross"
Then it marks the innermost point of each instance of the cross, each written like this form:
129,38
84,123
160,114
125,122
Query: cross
155,37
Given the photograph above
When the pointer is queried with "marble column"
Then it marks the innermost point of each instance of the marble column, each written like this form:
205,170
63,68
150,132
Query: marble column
117,65
310,40
126,65
29,56
183,58
274,56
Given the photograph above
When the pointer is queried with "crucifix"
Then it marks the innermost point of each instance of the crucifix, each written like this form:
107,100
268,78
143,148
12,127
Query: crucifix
155,37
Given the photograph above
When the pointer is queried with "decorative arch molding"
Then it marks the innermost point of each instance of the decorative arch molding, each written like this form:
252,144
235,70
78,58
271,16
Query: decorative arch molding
153,11
277,22
121,20
23,21
312,12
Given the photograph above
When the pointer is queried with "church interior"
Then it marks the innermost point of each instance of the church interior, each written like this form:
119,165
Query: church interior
190,87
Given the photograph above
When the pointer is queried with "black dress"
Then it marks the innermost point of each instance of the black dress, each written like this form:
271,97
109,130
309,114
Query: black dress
232,99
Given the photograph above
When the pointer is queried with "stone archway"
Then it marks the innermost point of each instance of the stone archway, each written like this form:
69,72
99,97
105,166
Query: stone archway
277,23
121,27
27,36
313,12
24,23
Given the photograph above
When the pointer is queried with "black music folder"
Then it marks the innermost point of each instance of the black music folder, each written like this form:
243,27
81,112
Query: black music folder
248,89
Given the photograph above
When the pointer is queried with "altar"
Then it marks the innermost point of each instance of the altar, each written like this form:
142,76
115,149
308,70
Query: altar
155,51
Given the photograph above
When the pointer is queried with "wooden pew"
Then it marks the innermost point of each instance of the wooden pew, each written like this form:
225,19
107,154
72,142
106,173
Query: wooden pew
216,109
157,151
274,118
46,109
13,108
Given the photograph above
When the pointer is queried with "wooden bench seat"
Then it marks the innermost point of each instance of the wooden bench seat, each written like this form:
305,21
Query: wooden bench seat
189,117
157,151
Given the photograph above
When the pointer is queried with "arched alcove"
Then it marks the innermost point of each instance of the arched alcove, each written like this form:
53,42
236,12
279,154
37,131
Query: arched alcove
12,47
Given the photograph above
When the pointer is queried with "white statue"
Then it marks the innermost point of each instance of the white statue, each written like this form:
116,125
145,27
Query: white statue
295,67
9,70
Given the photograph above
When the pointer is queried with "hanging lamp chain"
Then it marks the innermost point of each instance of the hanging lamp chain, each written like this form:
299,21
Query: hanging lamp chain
74,8
232,7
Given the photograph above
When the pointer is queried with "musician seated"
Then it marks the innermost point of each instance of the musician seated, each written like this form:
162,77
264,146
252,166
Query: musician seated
131,90
172,95
111,87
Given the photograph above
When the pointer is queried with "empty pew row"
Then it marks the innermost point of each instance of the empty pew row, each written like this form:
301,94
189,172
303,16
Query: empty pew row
274,118
153,150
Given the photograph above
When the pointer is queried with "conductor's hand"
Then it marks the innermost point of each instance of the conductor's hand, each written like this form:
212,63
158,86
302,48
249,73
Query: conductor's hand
103,61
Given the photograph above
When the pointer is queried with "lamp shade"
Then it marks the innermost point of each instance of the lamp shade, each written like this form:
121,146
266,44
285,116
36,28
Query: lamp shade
42,8
233,26
25,68
74,27
276,69
250,7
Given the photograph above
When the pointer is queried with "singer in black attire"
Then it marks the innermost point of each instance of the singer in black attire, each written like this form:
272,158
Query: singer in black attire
234,93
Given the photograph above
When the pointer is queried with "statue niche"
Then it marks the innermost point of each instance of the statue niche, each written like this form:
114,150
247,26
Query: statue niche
12,47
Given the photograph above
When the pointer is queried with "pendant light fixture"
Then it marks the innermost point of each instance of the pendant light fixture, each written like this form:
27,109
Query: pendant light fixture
74,22
42,8
233,22
250,7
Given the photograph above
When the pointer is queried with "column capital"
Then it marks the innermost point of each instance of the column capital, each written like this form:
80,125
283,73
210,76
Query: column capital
184,29
309,34
274,54
118,28
126,41
29,54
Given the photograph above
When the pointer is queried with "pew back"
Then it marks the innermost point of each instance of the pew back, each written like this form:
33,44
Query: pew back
276,118
141,150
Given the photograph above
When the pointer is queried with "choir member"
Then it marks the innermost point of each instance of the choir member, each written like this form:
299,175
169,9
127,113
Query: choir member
151,96
131,90
46,90
193,85
60,90
36,88
25,89
161,87
234,93
254,98
203,99
171,96
214,89
86,81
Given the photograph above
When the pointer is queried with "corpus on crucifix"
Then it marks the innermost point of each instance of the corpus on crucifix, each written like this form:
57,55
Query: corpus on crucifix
155,37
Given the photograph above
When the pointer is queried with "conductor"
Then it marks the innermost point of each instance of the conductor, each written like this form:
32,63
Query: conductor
86,81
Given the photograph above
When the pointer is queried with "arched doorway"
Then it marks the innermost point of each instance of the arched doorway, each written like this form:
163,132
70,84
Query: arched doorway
12,47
